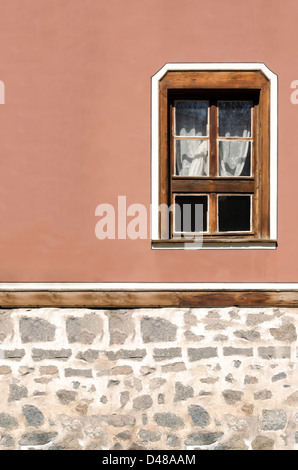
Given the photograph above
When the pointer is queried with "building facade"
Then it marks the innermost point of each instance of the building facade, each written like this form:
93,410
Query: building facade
125,325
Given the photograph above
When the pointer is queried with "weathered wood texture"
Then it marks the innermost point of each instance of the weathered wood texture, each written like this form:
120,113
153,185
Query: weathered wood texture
135,299
214,79
223,185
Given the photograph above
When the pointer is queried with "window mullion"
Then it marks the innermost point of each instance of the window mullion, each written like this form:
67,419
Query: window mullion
213,213
213,138
213,166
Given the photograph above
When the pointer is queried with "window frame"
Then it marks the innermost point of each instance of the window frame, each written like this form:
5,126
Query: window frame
253,80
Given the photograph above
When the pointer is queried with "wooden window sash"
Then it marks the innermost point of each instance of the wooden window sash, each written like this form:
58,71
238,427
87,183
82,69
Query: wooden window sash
257,184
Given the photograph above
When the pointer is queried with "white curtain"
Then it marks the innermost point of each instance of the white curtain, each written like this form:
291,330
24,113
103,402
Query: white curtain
192,157
233,155
192,160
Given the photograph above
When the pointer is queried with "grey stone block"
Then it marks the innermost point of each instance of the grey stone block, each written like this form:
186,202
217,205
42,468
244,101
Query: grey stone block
248,335
83,329
118,420
250,379
232,396
199,415
121,326
262,395
33,415
69,372
41,354
7,421
230,351
17,392
271,352
124,397
280,376
183,392
149,436
157,330
262,443
168,353
136,354
257,318
273,420
36,329
6,325
7,441
13,354
286,333
168,420
173,441
126,435
91,355
203,439
37,438
66,396
196,354
142,402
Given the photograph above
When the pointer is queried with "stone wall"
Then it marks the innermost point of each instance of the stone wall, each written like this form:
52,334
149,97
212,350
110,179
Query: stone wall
148,379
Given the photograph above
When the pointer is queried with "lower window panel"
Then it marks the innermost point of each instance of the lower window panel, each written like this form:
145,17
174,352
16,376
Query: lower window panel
191,213
234,213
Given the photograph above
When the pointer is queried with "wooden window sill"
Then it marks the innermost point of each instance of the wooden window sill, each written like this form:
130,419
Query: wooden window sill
213,243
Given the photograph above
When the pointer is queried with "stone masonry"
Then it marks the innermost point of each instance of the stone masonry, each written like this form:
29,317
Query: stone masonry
170,378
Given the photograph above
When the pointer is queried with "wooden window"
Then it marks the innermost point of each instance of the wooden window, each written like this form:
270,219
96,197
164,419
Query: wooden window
214,153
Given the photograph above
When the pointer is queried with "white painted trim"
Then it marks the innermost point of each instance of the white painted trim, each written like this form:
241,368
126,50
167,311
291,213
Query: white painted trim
155,144
144,286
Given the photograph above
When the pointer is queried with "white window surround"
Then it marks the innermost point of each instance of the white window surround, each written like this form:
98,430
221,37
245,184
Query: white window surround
246,66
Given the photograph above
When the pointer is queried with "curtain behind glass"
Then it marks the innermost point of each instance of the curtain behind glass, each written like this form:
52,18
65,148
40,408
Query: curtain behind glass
234,157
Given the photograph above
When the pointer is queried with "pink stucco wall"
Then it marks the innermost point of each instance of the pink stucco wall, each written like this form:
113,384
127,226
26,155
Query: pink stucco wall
75,131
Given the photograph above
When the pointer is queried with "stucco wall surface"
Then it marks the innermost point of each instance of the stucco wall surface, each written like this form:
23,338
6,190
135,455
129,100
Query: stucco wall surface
148,379
75,132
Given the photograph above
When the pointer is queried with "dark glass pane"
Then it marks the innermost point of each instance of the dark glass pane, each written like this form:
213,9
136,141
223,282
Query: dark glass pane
191,213
234,213
234,118
191,118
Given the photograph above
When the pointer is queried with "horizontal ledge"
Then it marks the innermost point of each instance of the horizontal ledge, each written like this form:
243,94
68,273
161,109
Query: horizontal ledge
243,243
227,179
149,298
145,286
213,185
210,79
207,137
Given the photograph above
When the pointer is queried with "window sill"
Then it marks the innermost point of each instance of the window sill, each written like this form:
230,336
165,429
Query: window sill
213,244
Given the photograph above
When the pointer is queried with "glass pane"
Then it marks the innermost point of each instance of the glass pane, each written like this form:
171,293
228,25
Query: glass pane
234,118
234,213
191,157
191,213
234,157
191,118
